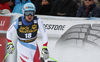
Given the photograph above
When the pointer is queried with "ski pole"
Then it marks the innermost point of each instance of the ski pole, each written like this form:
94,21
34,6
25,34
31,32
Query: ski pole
53,59
5,57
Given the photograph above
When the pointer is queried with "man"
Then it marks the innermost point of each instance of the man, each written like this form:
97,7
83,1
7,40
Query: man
88,9
64,8
11,4
18,7
98,3
17,1
27,27
4,5
44,7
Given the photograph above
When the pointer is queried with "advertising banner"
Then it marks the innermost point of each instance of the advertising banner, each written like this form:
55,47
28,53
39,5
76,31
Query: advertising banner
4,24
69,39
2,46
72,40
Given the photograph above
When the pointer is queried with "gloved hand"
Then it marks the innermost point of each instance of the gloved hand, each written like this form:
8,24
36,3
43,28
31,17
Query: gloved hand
45,53
10,48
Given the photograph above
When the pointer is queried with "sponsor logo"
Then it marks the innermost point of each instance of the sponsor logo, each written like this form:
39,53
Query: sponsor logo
2,23
20,23
29,7
27,30
35,21
54,27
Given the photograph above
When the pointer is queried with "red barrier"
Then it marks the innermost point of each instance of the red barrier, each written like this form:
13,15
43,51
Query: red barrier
4,25
4,22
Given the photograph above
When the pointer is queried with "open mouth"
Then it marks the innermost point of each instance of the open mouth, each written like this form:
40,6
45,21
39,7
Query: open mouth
29,18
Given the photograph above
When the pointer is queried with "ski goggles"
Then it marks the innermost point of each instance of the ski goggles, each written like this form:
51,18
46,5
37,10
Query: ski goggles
27,13
88,0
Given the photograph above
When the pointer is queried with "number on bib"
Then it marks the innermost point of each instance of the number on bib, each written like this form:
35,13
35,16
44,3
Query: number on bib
28,35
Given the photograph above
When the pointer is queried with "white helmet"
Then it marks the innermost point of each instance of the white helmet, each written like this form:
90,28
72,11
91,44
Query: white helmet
28,8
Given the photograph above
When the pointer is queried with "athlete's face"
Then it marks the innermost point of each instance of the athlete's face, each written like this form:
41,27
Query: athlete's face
29,18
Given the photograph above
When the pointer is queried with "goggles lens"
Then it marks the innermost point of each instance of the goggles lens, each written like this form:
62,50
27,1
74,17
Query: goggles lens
88,0
27,13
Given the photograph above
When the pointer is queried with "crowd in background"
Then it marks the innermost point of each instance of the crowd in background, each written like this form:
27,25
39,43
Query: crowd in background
69,8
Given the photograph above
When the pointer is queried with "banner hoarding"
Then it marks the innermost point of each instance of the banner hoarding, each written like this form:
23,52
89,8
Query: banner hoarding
4,25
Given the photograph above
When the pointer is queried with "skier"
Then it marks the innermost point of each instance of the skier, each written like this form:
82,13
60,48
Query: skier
27,27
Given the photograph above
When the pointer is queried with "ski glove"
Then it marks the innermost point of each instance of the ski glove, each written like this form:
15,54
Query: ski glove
45,53
10,48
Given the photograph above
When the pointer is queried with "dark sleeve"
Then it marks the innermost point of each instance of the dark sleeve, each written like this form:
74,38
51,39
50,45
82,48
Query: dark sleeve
54,8
79,12
38,8
97,12
73,10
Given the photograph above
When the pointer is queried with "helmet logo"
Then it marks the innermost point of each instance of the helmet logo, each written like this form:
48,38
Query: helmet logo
25,7
30,7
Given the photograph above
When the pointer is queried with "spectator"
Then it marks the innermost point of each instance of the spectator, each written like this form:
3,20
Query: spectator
44,7
33,1
78,2
11,4
88,9
17,1
18,7
98,4
99,1
64,8
4,5
36,2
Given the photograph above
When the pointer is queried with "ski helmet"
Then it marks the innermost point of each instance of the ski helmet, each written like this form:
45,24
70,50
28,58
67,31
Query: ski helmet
29,9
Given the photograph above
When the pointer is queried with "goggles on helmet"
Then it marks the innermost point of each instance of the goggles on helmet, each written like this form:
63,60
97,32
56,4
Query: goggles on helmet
27,13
